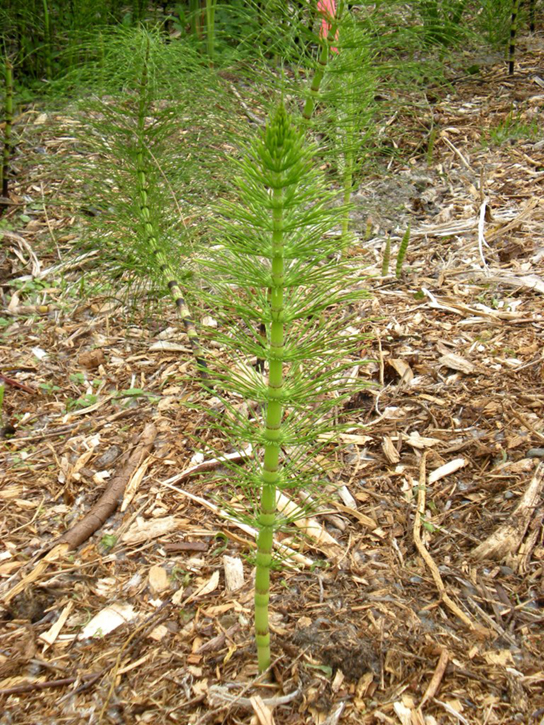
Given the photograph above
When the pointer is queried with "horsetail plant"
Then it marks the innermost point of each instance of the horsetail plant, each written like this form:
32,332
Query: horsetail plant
145,159
514,21
348,98
342,85
150,231
277,266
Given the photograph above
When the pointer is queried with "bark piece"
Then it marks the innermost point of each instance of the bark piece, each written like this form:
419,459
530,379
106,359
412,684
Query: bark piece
112,496
507,538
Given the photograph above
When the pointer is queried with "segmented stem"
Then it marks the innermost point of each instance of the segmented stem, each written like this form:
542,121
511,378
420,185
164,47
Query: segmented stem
273,432
151,234
513,32
325,50
386,257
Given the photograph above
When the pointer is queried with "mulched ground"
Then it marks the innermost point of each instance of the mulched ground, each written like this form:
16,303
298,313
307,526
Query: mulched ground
422,600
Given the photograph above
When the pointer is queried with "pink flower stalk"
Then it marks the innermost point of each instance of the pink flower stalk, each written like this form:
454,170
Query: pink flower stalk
327,8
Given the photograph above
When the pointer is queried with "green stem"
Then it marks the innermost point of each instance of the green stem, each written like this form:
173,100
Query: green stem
210,29
273,434
194,11
348,158
322,61
47,31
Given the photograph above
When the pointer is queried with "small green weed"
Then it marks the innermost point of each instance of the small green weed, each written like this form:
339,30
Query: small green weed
49,388
108,541
512,128
84,402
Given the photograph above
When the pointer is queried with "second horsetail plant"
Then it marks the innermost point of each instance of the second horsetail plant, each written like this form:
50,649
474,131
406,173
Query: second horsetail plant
277,266
148,221
343,86
147,161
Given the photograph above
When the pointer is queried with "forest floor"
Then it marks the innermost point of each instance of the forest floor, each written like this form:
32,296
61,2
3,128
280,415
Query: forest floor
421,597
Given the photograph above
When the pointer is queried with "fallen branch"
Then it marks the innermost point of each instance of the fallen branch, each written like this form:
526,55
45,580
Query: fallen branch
38,685
16,384
97,516
508,538
112,496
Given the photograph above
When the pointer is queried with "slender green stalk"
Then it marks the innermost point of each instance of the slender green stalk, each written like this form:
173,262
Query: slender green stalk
324,54
8,139
273,429
47,33
194,10
348,155
210,29
386,257
401,254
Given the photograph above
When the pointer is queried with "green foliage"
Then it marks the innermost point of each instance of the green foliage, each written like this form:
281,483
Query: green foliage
7,147
42,35
441,20
512,128
150,159
493,21
276,267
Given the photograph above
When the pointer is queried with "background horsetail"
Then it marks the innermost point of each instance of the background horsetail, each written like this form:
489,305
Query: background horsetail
151,162
149,228
277,266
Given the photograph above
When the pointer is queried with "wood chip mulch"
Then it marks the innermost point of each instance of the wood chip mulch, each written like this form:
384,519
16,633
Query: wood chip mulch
419,599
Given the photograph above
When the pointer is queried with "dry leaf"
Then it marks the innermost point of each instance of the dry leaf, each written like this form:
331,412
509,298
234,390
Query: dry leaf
92,359
456,362
158,579
144,530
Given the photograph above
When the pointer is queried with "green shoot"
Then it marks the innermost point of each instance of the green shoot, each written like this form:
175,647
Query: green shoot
386,256
277,267
401,254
